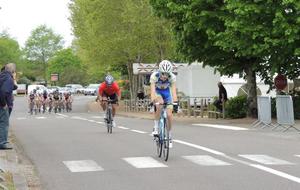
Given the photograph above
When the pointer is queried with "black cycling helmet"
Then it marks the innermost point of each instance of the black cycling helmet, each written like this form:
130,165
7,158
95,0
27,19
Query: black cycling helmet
109,80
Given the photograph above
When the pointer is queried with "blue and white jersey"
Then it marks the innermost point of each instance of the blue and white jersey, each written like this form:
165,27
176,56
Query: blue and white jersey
160,84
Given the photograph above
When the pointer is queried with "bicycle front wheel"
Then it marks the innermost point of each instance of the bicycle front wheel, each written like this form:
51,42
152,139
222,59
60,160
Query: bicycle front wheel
109,121
166,142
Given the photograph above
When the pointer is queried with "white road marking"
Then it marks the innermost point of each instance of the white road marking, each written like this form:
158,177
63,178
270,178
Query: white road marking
91,121
59,117
40,117
63,115
221,127
100,122
144,162
206,160
21,118
199,147
137,131
80,118
297,155
83,166
270,170
121,127
264,159
276,172
97,117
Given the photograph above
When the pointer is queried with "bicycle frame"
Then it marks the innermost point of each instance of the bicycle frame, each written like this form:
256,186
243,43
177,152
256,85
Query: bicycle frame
162,141
109,116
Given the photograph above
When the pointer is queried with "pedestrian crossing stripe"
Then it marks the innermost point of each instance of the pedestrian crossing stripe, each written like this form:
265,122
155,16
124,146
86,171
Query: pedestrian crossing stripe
40,117
82,166
264,159
297,155
206,160
144,162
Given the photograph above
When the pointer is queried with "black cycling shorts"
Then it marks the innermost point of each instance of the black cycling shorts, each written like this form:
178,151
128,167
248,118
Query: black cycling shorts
113,97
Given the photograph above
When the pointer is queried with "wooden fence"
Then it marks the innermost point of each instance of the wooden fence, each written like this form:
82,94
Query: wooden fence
189,106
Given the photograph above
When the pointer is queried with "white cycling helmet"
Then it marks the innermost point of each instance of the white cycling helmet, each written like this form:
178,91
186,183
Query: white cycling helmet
165,66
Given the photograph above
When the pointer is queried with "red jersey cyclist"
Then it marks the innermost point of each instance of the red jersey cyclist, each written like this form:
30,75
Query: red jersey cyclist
109,88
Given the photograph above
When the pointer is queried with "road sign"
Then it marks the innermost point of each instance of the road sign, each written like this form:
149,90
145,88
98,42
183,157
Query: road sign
54,77
280,82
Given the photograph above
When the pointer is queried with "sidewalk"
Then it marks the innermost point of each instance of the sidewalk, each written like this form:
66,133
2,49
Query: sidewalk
244,122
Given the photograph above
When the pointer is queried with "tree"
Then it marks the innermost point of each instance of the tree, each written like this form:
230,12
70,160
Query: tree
42,44
235,36
9,49
119,32
68,66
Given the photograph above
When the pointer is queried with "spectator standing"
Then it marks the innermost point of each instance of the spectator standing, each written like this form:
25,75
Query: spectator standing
7,85
222,97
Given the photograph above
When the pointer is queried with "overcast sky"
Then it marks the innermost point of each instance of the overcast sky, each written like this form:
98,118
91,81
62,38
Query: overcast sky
20,17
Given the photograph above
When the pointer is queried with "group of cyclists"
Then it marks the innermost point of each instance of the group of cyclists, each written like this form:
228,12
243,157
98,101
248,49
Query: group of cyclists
42,102
163,90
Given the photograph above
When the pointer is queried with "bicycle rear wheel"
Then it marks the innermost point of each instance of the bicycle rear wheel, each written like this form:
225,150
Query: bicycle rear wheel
109,121
166,141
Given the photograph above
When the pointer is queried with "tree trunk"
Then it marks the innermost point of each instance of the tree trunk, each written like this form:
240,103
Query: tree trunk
252,93
130,76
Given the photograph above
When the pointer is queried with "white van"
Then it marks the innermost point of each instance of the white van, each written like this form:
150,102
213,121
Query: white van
39,88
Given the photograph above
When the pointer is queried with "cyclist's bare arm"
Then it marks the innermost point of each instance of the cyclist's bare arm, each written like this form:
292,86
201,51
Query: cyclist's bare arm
174,93
153,94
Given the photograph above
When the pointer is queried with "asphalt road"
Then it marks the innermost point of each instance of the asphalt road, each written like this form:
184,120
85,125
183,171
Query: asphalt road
72,151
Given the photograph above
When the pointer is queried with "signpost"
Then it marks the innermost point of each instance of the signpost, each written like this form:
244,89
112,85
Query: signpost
280,82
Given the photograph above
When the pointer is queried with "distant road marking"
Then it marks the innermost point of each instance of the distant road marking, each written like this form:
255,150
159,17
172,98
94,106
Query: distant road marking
144,162
199,147
80,118
121,127
59,117
276,172
100,122
137,131
206,160
297,155
222,127
40,117
264,159
63,115
83,166
91,121
21,118
97,117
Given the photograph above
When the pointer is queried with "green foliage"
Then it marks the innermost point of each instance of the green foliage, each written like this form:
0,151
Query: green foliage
296,101
42,44
236,107
9,50
114,33
68,66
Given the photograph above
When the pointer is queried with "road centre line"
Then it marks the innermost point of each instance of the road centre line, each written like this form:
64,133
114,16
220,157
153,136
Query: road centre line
62,115
257,166
221,127
199,147
276,172
121,127
137,131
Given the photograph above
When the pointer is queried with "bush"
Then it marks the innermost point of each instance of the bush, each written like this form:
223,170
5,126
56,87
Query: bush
236,107
296,102
125,94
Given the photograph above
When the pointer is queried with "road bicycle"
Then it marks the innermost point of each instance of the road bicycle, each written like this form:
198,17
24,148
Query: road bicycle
109,116
163,138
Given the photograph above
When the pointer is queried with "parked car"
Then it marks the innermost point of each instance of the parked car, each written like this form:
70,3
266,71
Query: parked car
38,87
74,88
91,89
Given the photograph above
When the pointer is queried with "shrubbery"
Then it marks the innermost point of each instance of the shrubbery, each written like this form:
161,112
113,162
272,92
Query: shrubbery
236,107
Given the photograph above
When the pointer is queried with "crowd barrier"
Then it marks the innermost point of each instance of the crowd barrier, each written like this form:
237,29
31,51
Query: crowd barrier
263,112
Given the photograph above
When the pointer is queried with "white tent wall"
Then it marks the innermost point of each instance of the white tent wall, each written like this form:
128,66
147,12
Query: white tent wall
196,81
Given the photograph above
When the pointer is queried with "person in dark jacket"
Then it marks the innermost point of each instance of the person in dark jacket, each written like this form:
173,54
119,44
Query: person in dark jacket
222,97
7,86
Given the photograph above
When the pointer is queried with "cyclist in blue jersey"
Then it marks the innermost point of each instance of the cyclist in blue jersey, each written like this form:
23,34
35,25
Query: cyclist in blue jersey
163,90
